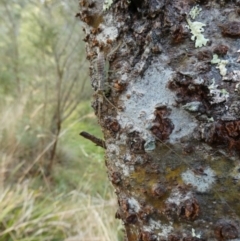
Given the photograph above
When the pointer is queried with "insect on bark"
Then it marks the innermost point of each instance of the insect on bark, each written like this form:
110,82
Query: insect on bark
102,77
101,71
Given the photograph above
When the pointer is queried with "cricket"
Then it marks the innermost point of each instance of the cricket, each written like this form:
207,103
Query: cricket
102,77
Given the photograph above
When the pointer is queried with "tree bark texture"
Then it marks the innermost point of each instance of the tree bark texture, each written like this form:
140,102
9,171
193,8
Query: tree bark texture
170,112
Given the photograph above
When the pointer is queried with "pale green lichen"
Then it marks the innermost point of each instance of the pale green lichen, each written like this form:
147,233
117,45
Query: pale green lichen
193,106
210,119
196,30
221,64
149,145
224,92
195,12
107,4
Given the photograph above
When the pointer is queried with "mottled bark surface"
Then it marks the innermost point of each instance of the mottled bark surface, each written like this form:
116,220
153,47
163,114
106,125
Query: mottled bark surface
169,109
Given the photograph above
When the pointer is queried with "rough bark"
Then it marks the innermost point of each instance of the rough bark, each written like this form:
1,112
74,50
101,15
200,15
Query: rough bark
170,115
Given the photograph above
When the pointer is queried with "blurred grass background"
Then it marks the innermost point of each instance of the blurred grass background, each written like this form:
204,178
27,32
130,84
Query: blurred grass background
53,183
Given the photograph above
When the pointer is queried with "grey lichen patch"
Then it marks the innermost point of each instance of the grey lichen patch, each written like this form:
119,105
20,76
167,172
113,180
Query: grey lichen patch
114,153
126,169
134,205
147,93
162,230
108,33
202,181
234,77
198,81
176,197
112,148
221,64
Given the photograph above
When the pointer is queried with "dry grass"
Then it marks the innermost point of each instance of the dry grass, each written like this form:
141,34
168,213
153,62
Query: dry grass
37,213
34,215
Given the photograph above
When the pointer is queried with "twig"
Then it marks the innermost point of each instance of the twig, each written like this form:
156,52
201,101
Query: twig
97,141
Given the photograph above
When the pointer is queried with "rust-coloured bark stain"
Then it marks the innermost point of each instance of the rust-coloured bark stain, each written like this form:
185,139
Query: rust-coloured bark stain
169,77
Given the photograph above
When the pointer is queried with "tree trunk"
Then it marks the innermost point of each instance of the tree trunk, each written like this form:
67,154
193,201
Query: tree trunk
170,115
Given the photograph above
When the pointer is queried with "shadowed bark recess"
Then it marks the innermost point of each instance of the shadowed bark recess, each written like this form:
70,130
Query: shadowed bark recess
167,82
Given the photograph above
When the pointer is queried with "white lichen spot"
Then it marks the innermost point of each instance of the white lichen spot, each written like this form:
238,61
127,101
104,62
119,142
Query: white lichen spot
114,153
134,205
195,12
218,95
107,4
126,169
236,75
196,30
221,64
177,197
235,173
210,119
124,78
162,230
238,60
107,33
193,106
198,81
237,88
113,149
202,181
213,85
233,76
194,234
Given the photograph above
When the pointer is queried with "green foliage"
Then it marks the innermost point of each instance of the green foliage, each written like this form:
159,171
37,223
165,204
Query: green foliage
43,66
86,163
